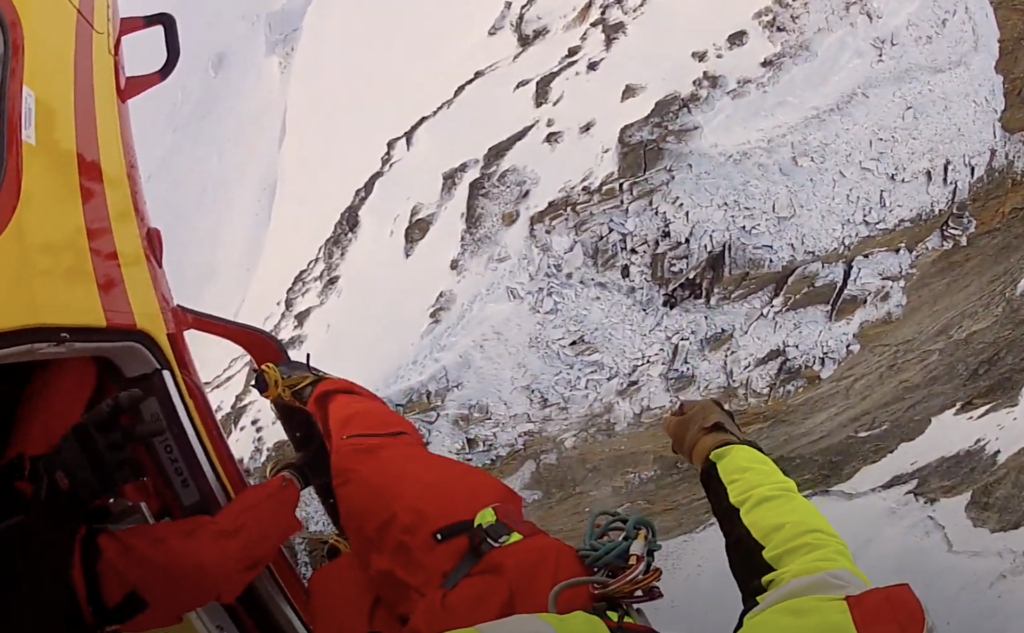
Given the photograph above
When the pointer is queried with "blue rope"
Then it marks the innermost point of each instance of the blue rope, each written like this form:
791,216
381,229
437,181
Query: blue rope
602,548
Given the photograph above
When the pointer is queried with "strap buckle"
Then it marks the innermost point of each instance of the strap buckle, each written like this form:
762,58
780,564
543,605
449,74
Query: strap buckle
485,533
484,538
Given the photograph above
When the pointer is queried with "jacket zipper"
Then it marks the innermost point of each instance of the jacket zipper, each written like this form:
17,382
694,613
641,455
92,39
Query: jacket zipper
388,434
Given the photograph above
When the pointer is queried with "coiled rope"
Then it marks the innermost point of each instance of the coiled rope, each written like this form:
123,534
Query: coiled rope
619,549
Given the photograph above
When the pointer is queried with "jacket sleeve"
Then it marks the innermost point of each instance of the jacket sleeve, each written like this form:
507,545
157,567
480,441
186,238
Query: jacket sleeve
179,566
778,545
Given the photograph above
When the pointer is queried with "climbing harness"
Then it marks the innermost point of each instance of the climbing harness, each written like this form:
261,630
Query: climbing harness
620,551
486,532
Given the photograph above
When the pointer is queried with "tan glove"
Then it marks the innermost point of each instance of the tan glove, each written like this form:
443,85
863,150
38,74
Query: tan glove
309,468
697,427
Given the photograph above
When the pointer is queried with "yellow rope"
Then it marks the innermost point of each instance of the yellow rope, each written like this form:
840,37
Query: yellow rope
275,382
338,542
282,388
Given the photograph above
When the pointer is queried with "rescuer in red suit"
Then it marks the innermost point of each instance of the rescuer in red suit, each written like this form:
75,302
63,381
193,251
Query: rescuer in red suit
177,566
427,533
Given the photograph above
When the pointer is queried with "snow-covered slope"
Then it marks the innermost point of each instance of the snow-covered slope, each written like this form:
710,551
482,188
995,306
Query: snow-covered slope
487,211
501,270
208,142
967,577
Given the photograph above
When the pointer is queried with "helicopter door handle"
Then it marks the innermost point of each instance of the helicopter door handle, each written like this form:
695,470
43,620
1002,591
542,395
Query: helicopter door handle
132,86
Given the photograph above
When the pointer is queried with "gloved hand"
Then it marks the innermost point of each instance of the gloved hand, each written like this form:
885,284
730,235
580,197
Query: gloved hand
697,427
308,468
97,454
291,382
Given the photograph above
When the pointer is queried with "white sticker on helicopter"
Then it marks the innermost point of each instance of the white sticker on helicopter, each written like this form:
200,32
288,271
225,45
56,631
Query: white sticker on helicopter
28,115
176,470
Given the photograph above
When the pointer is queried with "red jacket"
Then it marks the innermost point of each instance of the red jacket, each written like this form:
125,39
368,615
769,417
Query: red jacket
175,566
393,495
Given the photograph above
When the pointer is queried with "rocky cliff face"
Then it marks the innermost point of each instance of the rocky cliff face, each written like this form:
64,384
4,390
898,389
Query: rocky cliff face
628,212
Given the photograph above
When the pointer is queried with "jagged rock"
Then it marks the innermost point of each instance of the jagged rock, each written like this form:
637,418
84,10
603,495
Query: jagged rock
302,316
847,305
995,504
586,127
542,90
526,36
810,285
612,32
321,274
770,357
812,296
669,121
957,225
422,218
709,80
230,420
479,411
699,282
717,341
492,195
442,305
700,56
630,91
501,21
737,39
554,138
950,475
416,231
551,214
582,15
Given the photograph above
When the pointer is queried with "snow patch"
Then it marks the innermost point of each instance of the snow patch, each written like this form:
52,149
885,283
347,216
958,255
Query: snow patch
521,478
967,578
1000,432
210,172
871,432
341,112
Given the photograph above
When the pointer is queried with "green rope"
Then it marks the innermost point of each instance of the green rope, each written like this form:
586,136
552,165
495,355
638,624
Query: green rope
602,547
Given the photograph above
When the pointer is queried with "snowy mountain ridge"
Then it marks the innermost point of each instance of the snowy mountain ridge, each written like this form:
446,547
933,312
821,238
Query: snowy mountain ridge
281,110
504,271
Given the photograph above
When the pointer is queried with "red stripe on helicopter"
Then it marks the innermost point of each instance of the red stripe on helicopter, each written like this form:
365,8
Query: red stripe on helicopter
106,265
10,185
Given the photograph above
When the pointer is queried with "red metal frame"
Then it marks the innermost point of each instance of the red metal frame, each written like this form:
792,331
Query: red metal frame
260,345
177,320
